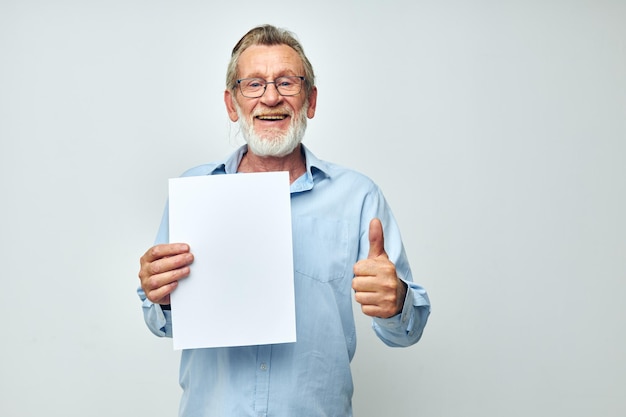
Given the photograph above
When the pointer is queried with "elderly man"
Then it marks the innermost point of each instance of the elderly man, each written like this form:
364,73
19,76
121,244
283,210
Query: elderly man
345,241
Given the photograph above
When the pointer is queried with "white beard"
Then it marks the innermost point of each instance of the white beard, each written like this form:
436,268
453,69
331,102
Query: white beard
275,144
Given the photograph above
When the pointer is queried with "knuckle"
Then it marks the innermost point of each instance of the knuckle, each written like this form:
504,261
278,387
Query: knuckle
154,268
152,283
152,298
389,269
154,252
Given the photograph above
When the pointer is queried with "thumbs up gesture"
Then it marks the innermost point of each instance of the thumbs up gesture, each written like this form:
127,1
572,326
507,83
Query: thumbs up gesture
377,287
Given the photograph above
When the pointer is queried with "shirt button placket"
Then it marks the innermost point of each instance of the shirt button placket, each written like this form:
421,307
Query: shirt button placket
262,380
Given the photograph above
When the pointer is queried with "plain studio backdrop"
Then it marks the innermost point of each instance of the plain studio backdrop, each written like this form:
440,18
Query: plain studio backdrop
496,129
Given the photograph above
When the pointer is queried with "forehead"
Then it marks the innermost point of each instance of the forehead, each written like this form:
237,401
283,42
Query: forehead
269,61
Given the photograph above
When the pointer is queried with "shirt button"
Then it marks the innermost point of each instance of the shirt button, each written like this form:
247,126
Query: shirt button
264,366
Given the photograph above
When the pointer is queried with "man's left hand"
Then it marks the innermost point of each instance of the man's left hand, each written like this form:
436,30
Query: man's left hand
377,287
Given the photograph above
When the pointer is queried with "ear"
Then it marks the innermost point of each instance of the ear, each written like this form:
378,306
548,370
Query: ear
230,105
312,103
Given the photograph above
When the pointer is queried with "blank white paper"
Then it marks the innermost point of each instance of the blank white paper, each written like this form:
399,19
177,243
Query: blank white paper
240,290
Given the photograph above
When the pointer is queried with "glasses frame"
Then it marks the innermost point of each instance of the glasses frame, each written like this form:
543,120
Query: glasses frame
301,77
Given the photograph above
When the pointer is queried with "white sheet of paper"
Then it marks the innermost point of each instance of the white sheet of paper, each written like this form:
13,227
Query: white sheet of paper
241,287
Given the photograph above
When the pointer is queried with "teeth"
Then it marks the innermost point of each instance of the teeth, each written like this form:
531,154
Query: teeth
271,117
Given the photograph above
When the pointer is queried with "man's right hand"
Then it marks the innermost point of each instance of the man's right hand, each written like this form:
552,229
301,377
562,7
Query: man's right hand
161,268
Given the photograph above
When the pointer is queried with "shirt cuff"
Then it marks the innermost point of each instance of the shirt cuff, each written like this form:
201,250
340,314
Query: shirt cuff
159,321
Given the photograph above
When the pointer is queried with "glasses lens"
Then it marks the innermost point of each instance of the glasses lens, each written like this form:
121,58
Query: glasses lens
252,87
288,86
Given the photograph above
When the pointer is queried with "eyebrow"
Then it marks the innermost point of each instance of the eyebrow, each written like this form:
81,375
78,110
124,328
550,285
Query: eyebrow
283,73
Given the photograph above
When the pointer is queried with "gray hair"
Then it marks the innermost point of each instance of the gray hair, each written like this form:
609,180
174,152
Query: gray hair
268,35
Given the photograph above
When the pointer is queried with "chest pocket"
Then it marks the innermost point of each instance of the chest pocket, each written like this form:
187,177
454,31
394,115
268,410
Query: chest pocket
321,248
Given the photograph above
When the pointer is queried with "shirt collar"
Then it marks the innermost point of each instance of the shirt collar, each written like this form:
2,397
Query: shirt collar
316,169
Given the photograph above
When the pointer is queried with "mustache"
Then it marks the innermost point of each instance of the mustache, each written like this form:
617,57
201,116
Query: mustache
271,112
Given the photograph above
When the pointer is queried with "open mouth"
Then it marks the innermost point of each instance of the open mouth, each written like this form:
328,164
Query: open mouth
272,117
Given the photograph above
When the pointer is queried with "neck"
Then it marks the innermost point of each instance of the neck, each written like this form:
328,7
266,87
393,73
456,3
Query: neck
294,163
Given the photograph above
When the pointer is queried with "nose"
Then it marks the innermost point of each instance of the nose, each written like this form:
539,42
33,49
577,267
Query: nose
271,96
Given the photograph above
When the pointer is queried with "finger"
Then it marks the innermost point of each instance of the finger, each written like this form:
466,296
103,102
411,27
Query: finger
153,282
169,263
371,282
376,311
377,239
371,303
364,283
164,250
157,287
369,299
376,304
374,267
162,295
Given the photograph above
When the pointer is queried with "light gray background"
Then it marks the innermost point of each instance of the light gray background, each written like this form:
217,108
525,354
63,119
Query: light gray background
496,129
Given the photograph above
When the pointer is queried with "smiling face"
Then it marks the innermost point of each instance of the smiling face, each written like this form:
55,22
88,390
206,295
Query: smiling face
273,125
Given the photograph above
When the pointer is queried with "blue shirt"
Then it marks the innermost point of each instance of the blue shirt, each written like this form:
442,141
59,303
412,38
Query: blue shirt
331,210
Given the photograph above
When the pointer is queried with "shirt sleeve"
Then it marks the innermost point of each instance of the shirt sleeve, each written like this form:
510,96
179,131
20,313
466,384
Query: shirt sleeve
405,328
159,321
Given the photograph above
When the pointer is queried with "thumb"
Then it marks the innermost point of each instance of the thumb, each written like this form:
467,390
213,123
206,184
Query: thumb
377,239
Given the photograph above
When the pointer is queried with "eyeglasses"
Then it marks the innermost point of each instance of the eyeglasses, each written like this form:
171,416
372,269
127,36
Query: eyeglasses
286,86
